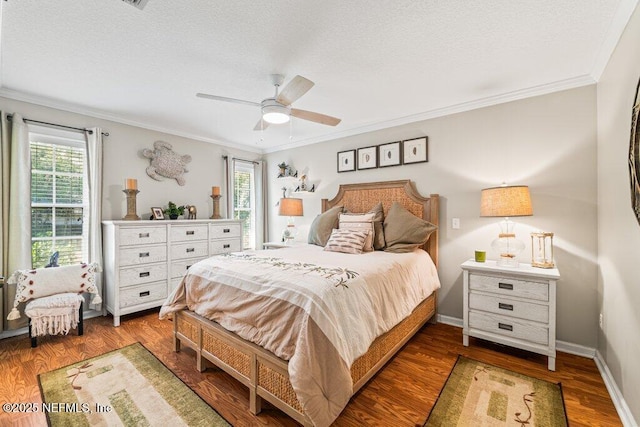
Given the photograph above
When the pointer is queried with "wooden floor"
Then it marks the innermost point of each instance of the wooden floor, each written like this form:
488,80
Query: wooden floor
402,394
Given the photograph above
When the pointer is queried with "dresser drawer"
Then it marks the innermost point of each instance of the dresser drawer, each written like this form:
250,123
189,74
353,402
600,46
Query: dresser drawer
508,307
142,235
143,294
223,231
180,267
181,233
131,276
224,246
510,287
142,255
509,327
189,250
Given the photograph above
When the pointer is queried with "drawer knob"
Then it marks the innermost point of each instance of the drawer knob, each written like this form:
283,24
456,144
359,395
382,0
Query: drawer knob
226,230
226,246
143,235
145,274
191,250
190,233
503,306
145,294
143,254
505,326
507,286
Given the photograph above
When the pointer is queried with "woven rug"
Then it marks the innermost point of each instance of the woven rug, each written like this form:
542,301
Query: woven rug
477,394
129,387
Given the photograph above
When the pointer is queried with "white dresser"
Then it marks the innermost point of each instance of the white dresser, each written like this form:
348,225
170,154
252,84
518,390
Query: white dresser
511,306
145,260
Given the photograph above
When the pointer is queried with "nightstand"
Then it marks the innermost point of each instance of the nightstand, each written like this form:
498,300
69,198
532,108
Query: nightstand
511,306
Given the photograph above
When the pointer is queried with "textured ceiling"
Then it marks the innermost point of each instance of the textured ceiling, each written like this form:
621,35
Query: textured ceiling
376,63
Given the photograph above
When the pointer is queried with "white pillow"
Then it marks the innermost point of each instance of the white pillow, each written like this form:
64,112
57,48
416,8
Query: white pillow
346,241
360,222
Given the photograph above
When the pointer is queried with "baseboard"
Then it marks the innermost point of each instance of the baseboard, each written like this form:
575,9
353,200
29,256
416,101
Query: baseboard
450,320
23,331
576,349
616,395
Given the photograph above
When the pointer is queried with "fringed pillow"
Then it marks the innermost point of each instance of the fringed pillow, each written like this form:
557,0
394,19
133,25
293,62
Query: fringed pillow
346,241
359,222
42,282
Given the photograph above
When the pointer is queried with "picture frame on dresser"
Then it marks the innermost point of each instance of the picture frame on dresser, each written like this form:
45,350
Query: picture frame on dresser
157,213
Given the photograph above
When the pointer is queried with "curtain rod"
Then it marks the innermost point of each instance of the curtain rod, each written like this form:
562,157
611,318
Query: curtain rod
242,160
10,117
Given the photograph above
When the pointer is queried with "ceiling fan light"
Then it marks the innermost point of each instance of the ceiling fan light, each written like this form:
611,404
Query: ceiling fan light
275,114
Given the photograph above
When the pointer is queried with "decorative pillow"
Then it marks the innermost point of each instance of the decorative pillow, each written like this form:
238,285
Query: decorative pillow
363,222
43,282
403,231
322,225
346,241
378,229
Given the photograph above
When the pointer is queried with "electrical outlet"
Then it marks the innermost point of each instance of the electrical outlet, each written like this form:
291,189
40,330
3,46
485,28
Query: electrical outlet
601,321
455,223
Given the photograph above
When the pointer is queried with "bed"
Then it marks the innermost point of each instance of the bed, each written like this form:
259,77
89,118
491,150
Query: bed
319,352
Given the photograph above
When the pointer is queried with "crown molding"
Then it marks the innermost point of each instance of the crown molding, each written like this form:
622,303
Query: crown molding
545,89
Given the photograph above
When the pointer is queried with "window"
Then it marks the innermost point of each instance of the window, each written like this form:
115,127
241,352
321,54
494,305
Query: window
59,199
244,200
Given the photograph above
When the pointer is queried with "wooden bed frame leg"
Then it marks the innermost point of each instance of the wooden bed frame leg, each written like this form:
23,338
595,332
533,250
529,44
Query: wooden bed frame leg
255,402
176,344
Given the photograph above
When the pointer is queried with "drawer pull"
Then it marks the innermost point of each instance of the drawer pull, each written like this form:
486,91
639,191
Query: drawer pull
145,274
226,230
142,235
189,250
505,326
145,293
191,233
143,254
507,286
503,306
226,246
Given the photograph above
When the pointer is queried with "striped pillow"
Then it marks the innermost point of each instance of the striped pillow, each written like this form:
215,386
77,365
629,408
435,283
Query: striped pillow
346,241
360,222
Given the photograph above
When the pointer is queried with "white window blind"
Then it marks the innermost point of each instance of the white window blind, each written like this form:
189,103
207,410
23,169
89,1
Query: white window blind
244,201
59,201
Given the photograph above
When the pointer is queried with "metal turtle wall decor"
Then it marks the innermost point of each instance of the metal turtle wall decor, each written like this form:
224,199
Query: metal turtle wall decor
166,162
634,155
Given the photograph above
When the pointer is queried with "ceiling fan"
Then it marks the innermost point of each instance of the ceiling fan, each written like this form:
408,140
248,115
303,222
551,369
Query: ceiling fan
277,110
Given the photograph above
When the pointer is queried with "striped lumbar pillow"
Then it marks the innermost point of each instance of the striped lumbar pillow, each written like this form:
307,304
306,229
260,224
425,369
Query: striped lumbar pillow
359,222
347,241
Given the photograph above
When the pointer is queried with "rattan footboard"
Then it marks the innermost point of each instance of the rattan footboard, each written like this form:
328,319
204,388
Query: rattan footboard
265,374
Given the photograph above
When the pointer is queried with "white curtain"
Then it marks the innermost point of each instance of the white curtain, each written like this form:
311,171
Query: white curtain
94,179
15,208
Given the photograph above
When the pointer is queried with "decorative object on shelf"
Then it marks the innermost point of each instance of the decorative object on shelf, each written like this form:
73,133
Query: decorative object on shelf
173,211
165,162
290,207
192,212
215,196
313,188
131,190
634,156
389,154
367,158
347,161
283,167
156,213
415,151
303,183
506,201
542,250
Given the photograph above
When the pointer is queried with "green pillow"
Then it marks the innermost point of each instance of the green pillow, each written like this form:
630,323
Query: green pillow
323,225
403,231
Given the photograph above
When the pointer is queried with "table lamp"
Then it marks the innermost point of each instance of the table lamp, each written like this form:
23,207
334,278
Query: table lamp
290,207
506,201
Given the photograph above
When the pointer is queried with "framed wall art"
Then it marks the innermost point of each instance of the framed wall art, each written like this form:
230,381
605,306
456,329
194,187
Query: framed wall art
415,151
347,161
634,155
389,154
367,158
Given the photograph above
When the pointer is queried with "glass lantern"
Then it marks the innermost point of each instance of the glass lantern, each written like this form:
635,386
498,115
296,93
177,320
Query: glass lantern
542,250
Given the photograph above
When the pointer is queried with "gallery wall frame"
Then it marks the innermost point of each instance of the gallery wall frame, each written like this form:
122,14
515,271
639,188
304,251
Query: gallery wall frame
390,154
368,157
347,161
415,151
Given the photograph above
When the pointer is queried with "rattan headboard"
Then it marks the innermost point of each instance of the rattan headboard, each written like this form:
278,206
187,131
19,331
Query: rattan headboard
362,197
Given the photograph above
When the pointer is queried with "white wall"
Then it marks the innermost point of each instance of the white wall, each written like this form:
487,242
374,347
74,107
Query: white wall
618,229
123,159
547,142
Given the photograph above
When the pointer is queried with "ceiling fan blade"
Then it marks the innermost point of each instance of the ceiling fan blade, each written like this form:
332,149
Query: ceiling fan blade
297,87
261,125
225,99
315,117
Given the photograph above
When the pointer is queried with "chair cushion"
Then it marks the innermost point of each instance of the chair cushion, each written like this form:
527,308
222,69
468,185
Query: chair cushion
55,314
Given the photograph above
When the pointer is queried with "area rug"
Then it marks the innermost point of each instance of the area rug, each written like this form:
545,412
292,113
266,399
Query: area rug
478,394
129,387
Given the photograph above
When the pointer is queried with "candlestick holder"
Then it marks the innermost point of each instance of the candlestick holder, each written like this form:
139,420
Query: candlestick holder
131,205
216,207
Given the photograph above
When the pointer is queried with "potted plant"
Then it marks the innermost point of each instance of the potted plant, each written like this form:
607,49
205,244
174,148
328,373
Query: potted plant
173,211
283,169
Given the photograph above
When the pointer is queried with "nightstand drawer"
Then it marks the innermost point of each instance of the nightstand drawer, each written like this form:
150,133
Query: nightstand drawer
142,235
224,231
224,246
510,327
509,287
143,294
508,307
179,268
189,250
142,255
183,233
142,274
